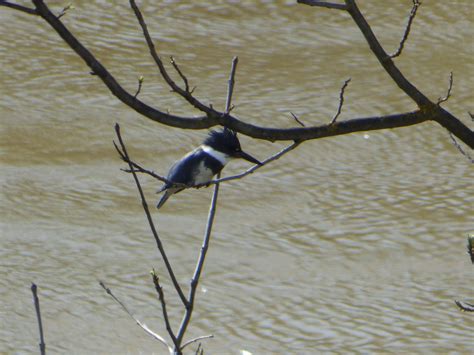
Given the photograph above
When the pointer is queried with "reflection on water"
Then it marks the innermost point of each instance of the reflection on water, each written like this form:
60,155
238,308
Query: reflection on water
354,242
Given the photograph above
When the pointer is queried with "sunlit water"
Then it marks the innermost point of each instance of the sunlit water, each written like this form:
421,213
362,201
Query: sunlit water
348,244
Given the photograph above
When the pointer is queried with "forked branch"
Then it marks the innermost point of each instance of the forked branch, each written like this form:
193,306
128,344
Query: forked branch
428,110
414,9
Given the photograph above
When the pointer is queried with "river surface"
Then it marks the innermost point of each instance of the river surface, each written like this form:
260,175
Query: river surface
350,244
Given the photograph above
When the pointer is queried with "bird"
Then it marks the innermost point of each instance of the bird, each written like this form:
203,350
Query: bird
199,166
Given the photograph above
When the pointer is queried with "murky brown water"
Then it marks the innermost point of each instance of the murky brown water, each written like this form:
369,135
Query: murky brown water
349,244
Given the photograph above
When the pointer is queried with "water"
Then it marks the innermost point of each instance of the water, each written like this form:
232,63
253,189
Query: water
348,244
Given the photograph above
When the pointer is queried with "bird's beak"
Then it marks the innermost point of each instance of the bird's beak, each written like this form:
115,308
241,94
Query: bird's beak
248,157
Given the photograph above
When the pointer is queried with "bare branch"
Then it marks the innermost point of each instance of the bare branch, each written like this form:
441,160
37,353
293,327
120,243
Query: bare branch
230,85
42,344
65,10
196,339
178,70
458,146
341,100
18,7
140,83
186,94
414,9
255,167
448,93
464,306
297,119
199,265
470,247
326,4
161,296
159,244
428,110
140,324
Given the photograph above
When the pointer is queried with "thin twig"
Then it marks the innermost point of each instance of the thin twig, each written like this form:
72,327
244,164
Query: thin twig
21,8
414,9
65,10
210,220
458,146
196,339
341,100
150,220
140,324
448,93
186,94
230,85
42,344
161,296
470,247
199,265
185,80
464,306
328,5
255,167
297,119
140,83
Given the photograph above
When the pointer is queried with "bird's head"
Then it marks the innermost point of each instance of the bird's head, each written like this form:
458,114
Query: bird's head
226,142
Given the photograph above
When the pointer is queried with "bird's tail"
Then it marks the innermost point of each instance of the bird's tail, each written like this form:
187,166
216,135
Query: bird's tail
164,198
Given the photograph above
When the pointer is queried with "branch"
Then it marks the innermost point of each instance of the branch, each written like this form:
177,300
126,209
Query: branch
150,220
414,9
214,118
140,83
464,306
186,94
255,167
210,221
448,93
199,265
140,324
18,7
329,5
196,339
341,100
42,344
297,119
161,296
458,146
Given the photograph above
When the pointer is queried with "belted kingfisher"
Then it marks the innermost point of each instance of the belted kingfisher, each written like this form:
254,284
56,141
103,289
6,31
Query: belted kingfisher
200,165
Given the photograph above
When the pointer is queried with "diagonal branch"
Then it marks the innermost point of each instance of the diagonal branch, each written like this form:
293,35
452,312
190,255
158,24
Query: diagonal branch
199,266
326,4
159,244
186,94
341,100
448,92
255,167
21,8
140,324
42,344
161,296
428,110
414,9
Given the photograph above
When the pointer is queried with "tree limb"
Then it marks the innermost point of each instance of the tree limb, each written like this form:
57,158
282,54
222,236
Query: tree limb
428,110
140,324
21,8
414,9
159,244
42,344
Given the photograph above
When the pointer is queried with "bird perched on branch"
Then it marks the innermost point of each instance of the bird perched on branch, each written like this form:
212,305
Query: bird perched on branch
199,166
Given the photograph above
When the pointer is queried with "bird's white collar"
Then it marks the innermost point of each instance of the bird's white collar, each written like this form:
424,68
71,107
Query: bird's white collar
221,157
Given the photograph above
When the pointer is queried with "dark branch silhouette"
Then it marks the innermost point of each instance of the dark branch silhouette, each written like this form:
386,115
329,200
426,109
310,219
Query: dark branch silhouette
427,110
42,344
414,9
